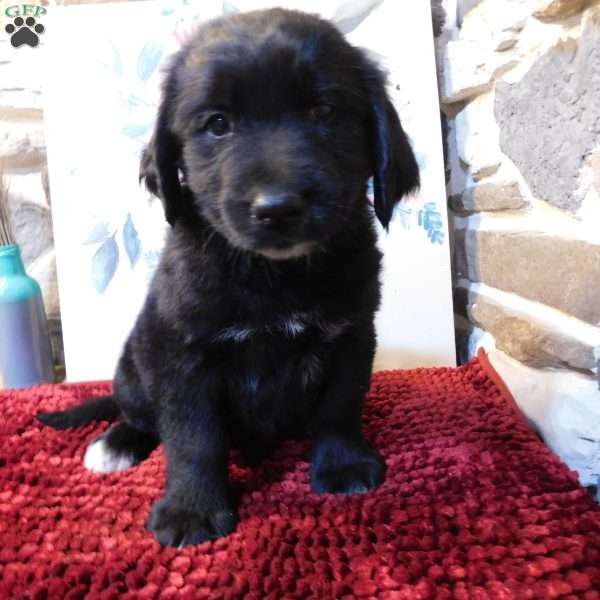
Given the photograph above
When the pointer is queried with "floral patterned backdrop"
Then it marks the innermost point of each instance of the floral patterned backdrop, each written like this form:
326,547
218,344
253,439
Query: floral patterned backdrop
103,76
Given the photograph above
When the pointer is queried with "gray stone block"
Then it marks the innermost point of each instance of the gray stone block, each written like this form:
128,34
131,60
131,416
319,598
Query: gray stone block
489,196
464,7
529,342
555,10
550,120
561,273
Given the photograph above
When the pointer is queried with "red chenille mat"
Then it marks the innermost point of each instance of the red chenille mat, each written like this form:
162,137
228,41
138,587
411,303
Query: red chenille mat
473,506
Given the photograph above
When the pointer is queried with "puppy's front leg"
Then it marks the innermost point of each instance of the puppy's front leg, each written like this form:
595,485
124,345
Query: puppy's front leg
342,462
197,504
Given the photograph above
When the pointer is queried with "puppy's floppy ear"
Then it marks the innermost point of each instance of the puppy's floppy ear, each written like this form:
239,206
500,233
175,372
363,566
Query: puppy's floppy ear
395,169
159,167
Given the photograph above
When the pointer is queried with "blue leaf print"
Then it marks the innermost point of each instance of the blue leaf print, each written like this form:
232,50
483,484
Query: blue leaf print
351,14
229,8
430,219
117,62
421,160
436,237
148,59
132,102
104,264
131,241
404,216
136,131
99,233
151,258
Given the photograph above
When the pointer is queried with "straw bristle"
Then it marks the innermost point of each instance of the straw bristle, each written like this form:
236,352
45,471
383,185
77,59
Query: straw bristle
6,234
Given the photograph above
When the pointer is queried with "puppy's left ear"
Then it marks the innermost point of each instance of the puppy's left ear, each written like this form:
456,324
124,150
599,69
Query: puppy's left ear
395,169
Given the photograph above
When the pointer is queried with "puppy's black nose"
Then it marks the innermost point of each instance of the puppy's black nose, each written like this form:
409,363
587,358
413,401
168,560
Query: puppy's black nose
278,208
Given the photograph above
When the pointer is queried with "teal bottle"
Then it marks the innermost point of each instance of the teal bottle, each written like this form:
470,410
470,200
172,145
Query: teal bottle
25,348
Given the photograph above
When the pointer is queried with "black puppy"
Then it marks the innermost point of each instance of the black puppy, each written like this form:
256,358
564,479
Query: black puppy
259,321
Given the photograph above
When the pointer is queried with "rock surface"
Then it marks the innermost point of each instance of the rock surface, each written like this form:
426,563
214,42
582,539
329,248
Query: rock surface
550,121
464,7
30,214
524,189
22,144
496,193
528,341
554,10
477,137
561,273
595,164
467,70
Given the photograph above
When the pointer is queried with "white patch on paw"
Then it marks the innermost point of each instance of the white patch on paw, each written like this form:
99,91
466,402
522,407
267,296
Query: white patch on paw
101,459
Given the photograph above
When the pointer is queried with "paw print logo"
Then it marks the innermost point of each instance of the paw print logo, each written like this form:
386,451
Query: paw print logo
24,32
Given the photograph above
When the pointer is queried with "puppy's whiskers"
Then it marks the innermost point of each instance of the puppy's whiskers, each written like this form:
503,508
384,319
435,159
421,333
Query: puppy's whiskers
267,270
308,263
207,241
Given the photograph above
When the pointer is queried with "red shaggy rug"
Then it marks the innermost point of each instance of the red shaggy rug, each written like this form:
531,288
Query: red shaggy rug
474,506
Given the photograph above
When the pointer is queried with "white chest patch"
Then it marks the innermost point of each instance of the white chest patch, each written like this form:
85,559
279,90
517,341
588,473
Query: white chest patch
235,333
291,326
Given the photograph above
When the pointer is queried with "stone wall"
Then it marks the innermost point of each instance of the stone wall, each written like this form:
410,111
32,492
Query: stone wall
23,165
24,169
520,90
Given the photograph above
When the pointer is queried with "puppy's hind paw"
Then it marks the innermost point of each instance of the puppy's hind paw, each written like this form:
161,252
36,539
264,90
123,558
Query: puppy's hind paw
177,526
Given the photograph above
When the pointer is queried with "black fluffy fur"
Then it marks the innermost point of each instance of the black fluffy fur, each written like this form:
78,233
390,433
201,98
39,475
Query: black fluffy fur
300,297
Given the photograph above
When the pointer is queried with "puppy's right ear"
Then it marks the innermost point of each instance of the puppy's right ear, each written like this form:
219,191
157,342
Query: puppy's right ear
159,167
395,168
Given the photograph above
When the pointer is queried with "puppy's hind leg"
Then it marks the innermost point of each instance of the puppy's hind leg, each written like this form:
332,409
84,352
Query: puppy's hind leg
120,447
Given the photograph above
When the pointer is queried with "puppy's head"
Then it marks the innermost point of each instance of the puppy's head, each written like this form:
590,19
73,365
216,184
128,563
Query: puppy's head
270,126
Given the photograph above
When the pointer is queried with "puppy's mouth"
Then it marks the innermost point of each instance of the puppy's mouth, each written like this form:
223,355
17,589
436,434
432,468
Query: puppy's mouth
277,226
287,252
275,245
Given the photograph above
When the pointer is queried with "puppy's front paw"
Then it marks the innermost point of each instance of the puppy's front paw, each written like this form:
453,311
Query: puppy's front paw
173,525
339,468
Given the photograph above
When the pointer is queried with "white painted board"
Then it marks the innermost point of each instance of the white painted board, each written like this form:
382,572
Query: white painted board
103,67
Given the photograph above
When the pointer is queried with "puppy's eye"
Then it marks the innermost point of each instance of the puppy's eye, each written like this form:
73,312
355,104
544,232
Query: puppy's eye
218,125
322,112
